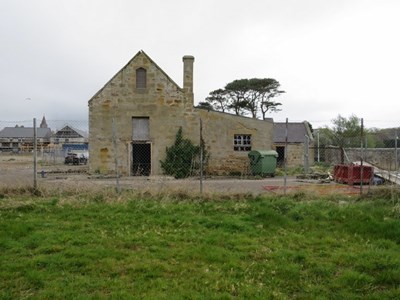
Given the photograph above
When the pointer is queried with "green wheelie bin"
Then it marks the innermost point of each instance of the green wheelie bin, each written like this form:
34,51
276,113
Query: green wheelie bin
263,162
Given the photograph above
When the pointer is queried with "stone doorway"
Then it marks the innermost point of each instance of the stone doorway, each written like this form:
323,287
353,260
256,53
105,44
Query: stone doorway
281,156
141,159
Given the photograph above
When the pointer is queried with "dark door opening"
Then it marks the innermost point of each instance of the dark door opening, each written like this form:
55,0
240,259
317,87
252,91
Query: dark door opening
141,159
281,156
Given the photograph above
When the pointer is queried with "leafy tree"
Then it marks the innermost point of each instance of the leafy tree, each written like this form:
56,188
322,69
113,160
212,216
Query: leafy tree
236,92
182,157
205,105
217,100
385,138
252,97
267,89
374,138
345,132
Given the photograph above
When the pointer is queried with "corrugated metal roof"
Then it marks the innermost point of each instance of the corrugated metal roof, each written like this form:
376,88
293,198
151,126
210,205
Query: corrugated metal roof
296,132
24,132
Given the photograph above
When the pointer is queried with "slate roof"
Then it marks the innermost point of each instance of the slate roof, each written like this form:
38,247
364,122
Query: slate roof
24,132
296,132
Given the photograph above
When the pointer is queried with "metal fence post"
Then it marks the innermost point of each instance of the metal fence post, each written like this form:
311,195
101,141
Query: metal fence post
114,139
34,155
285,158
396,164
318,154
362,157
306,153
201,157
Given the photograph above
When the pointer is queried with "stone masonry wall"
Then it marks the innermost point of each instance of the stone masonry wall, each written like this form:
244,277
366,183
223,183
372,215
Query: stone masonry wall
295,153
162,101
384,158
218,133
168,108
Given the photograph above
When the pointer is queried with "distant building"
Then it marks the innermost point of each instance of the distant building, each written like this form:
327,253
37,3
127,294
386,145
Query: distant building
20,138
298,135
43,124
70,138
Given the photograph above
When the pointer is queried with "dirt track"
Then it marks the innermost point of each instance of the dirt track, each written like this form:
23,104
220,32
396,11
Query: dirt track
17,170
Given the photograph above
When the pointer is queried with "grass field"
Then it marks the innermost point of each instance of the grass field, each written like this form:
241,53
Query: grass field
101,246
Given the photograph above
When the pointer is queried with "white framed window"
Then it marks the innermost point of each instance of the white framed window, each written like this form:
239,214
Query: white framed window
242,142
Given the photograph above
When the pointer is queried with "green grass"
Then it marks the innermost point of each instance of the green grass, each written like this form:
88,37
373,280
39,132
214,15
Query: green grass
100,247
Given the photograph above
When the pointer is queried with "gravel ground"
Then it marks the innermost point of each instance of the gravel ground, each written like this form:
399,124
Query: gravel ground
17,170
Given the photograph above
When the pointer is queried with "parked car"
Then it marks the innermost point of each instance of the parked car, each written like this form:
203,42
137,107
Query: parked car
75,159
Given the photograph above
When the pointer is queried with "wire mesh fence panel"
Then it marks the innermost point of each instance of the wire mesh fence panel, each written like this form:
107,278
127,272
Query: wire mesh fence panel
17,136
360,155
30,147
63,153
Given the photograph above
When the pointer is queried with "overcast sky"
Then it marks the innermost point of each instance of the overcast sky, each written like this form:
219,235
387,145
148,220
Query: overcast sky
331,56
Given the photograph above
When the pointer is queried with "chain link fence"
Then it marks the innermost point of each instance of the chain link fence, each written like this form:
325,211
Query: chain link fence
57,153
55,138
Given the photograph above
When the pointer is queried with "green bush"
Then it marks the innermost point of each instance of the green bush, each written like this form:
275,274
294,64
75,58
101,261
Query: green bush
182,158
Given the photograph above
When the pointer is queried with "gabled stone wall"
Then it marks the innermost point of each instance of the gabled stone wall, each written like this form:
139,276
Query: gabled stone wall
168,108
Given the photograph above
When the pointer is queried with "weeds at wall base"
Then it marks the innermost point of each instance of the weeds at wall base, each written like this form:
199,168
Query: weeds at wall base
110,195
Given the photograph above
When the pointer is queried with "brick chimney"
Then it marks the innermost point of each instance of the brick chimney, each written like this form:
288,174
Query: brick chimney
188,61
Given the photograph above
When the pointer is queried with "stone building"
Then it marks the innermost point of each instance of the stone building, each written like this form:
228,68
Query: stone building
300,143
138,112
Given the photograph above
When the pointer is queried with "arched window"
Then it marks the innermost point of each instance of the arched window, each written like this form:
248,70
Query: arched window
141,78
